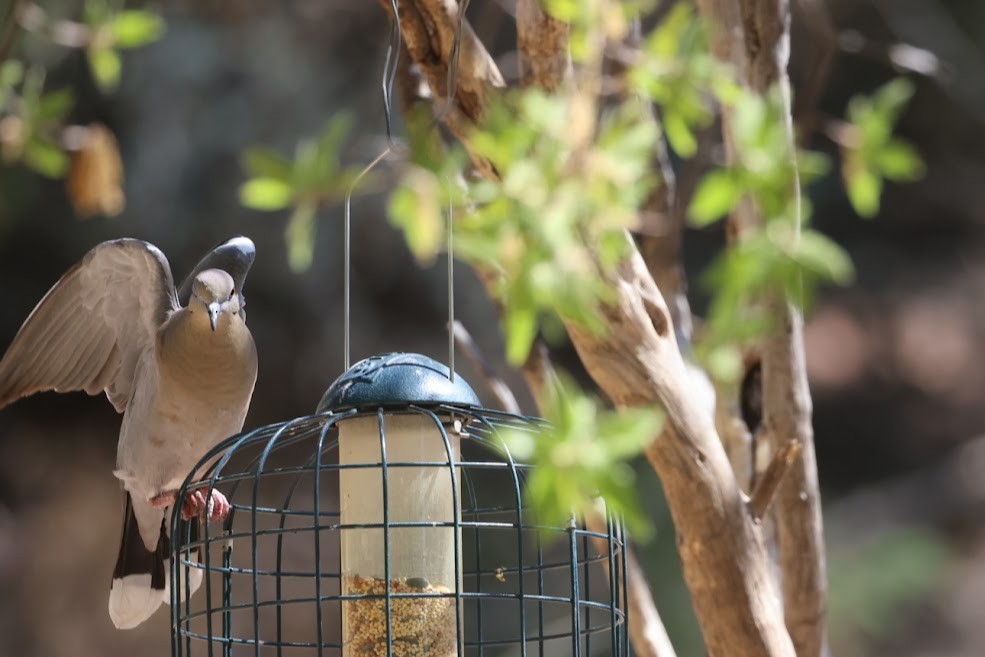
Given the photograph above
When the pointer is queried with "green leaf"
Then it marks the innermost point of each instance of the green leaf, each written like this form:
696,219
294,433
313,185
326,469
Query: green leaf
679,134
416,208
899,161
864,190
11,73
267,163
823,257
521,329
716,195
626,432
266,194
890,99
56,104
45,157
134,28
105,64
300,237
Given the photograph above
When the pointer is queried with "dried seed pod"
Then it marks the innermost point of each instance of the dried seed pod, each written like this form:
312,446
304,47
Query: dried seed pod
95,176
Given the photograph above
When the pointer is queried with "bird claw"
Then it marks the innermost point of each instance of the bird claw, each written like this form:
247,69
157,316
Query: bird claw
215,509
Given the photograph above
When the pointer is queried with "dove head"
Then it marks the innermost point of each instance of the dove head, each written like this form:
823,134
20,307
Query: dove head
216,291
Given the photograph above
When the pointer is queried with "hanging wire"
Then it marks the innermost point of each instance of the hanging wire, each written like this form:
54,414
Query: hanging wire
389,75
347,246
390,69
451,291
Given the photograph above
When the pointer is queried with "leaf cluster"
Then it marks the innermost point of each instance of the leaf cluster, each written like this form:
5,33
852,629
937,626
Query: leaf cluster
113,29
31,119
551,225
870,152
582,455
313,177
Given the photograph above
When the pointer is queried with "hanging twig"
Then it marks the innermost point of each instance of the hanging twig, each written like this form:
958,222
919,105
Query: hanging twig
646,629
769,482
9,27
504,396
753,37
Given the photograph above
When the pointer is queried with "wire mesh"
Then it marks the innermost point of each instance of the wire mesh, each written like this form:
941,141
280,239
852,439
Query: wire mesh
272,573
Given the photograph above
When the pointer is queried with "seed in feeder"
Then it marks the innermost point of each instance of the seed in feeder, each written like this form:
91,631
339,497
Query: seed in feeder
420,626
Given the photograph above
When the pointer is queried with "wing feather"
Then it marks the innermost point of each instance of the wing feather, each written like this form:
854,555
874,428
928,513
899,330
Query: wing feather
89,330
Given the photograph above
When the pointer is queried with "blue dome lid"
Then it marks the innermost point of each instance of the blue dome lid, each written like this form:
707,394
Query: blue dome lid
396,379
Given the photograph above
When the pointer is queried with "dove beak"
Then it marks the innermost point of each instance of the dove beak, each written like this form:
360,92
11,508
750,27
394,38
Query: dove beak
214,310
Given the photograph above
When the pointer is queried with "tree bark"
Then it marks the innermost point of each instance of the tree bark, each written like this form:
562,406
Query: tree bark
754,38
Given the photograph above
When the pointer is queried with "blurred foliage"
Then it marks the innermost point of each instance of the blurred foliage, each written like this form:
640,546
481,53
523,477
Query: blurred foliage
583,454
35,127
871,584
869,150
552,224
574,175
676,70
112,29
314,177
31,119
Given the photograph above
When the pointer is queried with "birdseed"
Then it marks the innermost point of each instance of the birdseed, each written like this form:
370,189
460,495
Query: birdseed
421,627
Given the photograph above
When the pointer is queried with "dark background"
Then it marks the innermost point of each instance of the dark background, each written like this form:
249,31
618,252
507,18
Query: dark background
896,360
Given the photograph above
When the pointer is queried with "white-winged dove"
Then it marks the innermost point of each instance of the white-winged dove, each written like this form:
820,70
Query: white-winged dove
179,364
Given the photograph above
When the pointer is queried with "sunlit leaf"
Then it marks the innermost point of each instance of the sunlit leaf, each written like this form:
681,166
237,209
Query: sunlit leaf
45,157
265,194
521,329
300,237
416,208
715,196
106,65
823,257
134,28
899,161
267,163
864,190
54,105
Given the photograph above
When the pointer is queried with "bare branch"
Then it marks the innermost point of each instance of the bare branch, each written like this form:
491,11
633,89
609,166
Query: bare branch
824,41
542,42
754,38
501,391
9,27
646,630
430,30
768,484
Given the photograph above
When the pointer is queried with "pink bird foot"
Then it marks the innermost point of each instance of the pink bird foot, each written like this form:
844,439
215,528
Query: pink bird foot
215,509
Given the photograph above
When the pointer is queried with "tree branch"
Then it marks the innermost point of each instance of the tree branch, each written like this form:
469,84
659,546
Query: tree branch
504,396
542,42
767,485
637,362
646,630
754,38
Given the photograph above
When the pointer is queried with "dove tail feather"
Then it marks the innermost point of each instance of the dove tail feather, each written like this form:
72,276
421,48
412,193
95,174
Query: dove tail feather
141,576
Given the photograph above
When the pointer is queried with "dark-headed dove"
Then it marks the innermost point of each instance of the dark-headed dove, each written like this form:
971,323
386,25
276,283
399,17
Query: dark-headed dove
182,373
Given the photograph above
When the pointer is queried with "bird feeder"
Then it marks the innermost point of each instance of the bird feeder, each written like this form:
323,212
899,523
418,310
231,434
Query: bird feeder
391,524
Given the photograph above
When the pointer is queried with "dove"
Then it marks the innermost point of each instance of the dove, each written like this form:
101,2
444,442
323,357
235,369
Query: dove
179,364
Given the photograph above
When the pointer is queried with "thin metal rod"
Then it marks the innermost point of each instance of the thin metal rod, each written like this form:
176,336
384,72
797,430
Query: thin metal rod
451,292
347,247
